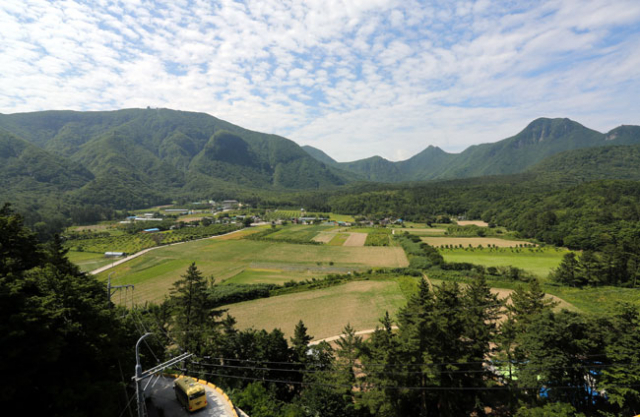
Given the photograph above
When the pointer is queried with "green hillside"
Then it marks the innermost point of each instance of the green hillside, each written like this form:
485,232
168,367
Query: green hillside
540,139
25,165
320,155
138,157
375,168
581,165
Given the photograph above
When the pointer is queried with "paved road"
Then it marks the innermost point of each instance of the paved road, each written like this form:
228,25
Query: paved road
142,252
161,393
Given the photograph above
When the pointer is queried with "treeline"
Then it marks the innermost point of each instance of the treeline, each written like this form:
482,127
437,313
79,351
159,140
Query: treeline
612,266
587,216
426,258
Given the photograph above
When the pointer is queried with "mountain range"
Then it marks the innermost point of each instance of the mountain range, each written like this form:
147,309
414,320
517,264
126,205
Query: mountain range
542,138
140,157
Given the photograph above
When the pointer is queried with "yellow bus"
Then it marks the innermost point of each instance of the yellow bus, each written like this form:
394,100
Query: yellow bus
190,394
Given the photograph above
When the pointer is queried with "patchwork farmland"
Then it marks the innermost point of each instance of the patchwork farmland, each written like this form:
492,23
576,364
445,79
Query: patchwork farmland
248,261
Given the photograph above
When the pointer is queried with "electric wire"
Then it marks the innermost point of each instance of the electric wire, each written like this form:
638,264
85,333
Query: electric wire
360,368
498,362
412,388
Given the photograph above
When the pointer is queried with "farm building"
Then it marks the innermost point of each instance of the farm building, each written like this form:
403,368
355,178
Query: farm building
230,204
114,254
177,210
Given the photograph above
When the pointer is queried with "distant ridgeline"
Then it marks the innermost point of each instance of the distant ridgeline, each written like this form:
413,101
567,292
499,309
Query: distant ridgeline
58,167
540,139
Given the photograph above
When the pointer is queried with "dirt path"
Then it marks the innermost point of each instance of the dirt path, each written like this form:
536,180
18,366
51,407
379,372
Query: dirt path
334,338
142,252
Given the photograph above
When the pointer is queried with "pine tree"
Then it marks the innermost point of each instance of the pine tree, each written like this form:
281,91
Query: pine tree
566,273
300,342
622,379
482,310
526,304
194,321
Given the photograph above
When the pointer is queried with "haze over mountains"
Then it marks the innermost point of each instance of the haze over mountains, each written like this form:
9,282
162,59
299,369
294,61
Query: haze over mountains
138,157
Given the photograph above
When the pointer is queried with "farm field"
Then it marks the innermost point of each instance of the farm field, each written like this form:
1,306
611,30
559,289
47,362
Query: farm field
118,241
339,239
421,231
300,233
88,261
473,223
537,261
356,239
325,311
252,261
473,241
324,237
599,301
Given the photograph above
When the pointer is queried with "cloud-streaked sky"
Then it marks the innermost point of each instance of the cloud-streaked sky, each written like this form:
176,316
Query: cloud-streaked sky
353,78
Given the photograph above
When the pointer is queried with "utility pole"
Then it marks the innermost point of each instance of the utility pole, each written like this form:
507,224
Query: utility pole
111,289
139,376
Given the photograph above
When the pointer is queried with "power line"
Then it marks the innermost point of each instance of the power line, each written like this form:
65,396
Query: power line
497,362
412,388
445,371
137,318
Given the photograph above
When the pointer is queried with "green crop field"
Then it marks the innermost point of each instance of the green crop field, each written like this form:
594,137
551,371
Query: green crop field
325,311
361,229
339,239
599,301
153,273
422,231
301,233
341,217
88,261
473,241
118,241
538,261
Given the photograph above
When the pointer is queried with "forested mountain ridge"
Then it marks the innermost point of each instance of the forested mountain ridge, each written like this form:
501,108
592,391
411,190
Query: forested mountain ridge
582,165
138,157
542,138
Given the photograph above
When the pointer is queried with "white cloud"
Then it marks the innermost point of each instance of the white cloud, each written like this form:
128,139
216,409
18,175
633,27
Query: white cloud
354,78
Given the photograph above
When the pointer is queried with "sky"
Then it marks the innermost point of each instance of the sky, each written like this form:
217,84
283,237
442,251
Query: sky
353,78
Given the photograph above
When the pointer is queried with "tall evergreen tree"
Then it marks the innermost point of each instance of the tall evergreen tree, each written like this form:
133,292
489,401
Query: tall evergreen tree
622,378
194,322
481,312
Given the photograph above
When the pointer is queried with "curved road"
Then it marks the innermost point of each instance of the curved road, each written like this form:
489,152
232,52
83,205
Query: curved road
163,398
142,252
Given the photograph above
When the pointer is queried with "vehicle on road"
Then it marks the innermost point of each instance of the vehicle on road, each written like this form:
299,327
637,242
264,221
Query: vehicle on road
190,394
